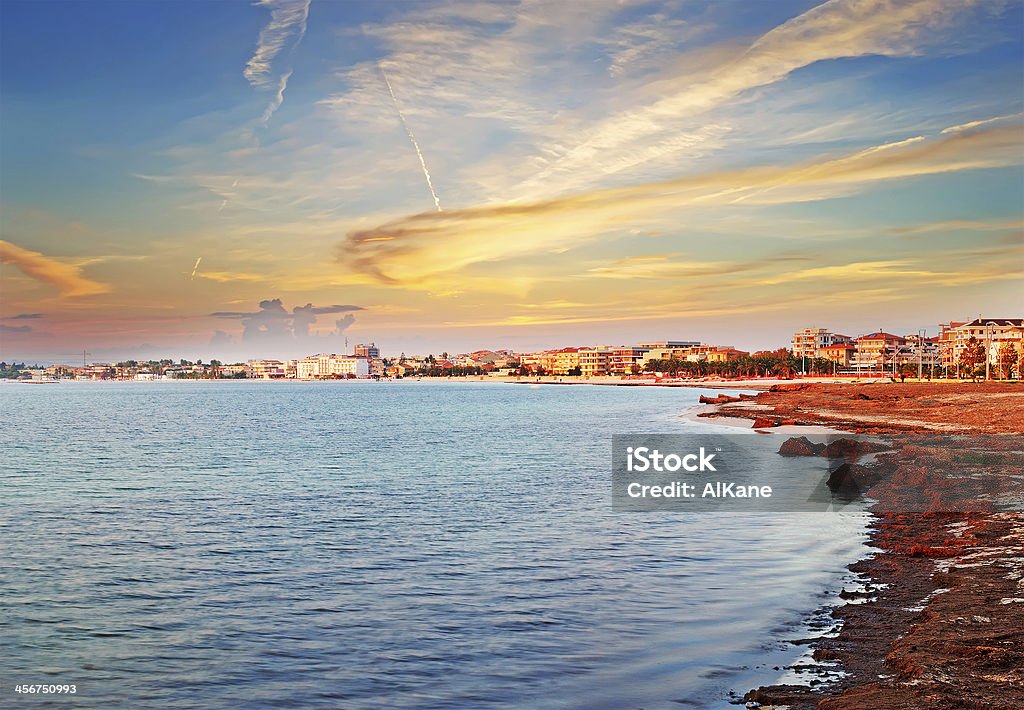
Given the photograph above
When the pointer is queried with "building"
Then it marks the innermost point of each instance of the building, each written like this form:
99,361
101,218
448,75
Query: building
322,366
265,369
553,362
594,361
1006,354
875,351
810,342
955,336
920,351
947,343
842,354
366,350
670,344
626,360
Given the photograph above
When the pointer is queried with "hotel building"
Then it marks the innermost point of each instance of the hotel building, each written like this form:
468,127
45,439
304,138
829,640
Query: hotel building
810,342
327,366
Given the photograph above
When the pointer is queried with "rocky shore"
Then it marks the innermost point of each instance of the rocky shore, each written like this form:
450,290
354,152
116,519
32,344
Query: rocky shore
939,622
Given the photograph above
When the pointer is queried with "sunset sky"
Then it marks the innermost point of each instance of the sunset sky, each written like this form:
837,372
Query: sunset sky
234,179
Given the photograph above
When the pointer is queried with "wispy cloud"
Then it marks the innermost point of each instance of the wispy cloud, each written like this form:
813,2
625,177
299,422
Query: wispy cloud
66,278
25,316
287,20
15,328
833,30
287,27
421,247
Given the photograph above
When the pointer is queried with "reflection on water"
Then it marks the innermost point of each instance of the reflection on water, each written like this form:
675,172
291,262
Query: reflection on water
380,544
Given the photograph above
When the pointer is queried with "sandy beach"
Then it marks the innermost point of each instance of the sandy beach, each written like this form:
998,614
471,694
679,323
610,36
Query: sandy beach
940,620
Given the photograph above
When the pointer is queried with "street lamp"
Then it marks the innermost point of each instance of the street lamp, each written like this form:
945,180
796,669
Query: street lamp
988,346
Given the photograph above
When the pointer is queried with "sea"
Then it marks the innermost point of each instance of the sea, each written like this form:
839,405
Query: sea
399,544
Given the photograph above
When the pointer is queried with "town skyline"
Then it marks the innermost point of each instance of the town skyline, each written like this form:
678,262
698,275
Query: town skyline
237,180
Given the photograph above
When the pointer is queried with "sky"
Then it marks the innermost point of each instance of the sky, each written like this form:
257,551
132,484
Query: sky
233,180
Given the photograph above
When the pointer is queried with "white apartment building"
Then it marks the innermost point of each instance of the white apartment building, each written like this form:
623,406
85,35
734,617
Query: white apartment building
809,342
327,366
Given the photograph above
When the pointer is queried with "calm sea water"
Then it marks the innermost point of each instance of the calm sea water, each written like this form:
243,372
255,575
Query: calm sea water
367,545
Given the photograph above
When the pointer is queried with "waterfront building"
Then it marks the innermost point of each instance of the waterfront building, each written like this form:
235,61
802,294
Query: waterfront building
553,362
842,354
366,350
594,361
265,369
875,351
670,344
955,336
330,366
810,342
625,360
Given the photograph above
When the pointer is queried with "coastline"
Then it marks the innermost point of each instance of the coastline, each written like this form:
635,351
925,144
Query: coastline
939,620
758,384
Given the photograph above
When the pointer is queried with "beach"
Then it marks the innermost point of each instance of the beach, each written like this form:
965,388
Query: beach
939,621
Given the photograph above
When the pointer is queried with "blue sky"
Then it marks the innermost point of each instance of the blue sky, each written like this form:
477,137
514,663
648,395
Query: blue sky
606,171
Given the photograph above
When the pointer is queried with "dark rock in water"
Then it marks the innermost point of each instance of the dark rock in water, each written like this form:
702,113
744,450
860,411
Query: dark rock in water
720,399
800,446
851,449
851,478
798,695
843,478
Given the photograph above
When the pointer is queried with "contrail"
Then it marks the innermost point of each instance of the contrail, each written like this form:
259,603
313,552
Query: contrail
412,138
196,268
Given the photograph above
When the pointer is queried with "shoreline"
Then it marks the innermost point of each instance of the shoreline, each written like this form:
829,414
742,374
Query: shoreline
754,384
939,620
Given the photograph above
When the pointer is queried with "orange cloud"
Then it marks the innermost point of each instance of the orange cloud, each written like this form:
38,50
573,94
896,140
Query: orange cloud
425,248
65,278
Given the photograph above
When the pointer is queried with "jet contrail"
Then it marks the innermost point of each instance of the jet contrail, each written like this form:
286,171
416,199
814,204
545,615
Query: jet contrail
196,268
412,138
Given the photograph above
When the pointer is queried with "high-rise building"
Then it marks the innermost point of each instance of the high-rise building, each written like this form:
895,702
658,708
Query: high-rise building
366,350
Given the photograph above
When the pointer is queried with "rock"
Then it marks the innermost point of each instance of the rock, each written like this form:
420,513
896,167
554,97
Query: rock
765,423
851,478
781,695
844,479
851,449
787,388
720,399
800,446
860,395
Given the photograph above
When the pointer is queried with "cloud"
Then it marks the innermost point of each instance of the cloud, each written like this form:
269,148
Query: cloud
273,329
25,316
15,329
836,29
287,24
419,249
287,19
67,279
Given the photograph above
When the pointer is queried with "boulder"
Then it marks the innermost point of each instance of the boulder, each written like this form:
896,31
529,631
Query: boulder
765,423
800,446
851,449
